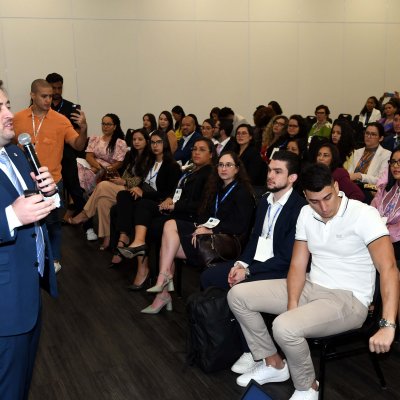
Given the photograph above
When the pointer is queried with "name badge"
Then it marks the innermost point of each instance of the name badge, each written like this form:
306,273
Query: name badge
211,223
264,249
177,195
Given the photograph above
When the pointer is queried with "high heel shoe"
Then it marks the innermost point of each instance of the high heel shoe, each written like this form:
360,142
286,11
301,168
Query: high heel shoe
131,252
159,288
166,301
135,288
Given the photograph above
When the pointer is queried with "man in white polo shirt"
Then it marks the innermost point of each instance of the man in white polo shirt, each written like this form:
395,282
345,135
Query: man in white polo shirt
347,240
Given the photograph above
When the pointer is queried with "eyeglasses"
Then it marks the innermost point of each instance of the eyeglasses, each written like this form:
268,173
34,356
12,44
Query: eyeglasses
201,149
226,165
371,134
292,126
108,124
320,112
242,133
156,142
279,123
393,163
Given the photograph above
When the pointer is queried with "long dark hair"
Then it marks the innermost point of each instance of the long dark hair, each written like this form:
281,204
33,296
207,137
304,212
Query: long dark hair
336,161
211,147
152,120
170,126
118,133
364,109
136,162
303,130
214,183
178,110
391,179
346,144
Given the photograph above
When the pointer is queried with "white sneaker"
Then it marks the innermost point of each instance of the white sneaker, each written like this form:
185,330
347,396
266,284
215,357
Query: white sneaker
57,266
244,364
309,394
91,235
263,374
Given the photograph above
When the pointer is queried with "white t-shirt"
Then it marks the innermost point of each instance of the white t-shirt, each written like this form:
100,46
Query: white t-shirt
340,257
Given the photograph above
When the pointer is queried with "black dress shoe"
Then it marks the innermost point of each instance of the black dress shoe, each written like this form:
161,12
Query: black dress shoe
130,252
136,288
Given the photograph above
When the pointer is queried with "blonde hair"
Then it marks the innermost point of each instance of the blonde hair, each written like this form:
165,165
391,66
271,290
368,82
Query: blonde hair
268,135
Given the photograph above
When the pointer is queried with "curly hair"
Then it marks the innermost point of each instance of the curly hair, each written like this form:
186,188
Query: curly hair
215,183
268,137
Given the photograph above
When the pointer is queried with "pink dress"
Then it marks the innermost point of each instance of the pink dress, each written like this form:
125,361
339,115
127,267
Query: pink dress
97,146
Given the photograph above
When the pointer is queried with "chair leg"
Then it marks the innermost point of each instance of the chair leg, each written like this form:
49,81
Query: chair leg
321,374
178,277
375,362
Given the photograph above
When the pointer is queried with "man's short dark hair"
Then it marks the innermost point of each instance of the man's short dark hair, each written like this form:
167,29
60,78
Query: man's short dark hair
226,125
315,177
323,107
225,112
54,77
291,160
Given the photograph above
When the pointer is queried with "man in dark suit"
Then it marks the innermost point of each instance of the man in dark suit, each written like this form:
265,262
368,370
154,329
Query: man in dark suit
276,218
184,150
25,260
226,142
269,250
392,141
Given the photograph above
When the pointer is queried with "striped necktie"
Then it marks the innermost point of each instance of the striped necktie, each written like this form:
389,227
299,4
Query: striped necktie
6,162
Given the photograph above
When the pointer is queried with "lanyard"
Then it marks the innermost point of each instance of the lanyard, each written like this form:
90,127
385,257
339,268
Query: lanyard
151,177
217,202
183,179
270,225
36,132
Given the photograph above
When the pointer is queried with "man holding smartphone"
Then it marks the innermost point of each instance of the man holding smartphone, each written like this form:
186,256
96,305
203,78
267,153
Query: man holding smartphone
69,167
49,131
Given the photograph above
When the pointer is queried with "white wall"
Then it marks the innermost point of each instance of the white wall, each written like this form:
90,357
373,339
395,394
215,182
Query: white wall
136,56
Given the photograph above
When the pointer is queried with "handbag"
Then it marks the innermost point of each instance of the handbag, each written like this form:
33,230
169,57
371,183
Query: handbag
216,247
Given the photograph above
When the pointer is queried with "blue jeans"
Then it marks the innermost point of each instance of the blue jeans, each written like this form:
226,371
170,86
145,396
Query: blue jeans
53,224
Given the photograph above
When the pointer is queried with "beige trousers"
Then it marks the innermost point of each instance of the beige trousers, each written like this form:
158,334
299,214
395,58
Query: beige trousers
101,200
321,312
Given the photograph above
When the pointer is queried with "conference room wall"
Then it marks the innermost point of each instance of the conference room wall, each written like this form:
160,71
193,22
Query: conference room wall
132,57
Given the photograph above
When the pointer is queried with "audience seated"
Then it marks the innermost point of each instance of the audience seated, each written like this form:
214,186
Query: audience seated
342,136
297,127
328,154
262,116
103,153
390,109
226,208
228,113
178,114
329,297
208,130
183,152
160,179
369,162
105,193
391,141
226,142
183,205
370,112
256,168
274,136
321,128
149,125
165,124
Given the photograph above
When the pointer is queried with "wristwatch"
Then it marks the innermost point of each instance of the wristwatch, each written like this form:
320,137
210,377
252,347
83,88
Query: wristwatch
384,323
247,272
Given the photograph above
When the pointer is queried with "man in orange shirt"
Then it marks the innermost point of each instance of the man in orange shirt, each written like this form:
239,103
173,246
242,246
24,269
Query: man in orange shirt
49,130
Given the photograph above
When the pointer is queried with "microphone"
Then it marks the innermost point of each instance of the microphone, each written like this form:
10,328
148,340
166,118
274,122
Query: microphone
24,139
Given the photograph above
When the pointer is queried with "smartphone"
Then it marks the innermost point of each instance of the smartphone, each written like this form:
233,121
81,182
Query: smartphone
390,94
76,107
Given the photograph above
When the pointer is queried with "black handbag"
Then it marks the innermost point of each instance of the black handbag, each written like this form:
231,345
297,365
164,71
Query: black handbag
217,247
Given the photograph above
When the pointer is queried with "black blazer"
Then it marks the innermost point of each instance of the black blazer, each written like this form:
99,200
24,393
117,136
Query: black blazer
231,145
192,190
283,239
166,181
185,154
256,168
235,212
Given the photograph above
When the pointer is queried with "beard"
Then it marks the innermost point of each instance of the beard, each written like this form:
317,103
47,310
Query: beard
275,189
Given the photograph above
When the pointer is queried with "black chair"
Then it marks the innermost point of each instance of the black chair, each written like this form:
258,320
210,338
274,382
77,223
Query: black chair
346,117
329,345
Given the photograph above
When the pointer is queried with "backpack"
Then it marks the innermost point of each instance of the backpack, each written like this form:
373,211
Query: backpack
214,334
